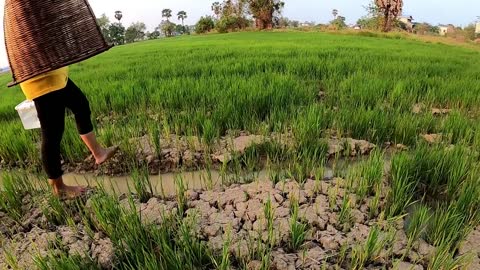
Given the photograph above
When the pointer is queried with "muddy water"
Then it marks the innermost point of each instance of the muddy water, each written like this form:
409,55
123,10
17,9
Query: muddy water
164,184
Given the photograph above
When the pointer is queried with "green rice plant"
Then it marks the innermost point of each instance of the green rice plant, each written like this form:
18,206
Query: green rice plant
252,158
298,229
64,261
225,261
180,190
142,184
192,248
210,133
345,215
441,171
156,139
269,213
11,260
332,198
403,186
342,254
372,171
362,254
444,259
446,227
15,187
468,199
55,210
417,225
373,205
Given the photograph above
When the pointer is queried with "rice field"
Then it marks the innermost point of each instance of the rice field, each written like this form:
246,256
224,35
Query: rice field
393,118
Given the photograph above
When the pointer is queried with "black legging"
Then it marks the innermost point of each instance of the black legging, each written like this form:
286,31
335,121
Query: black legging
51,113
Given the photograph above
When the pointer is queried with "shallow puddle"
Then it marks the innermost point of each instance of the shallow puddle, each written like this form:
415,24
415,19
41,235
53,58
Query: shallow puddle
165,184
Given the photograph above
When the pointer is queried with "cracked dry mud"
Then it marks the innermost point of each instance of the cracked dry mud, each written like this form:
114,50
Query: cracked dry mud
240,209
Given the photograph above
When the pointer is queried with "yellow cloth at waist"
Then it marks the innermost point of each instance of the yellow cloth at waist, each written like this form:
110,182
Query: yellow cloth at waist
45,83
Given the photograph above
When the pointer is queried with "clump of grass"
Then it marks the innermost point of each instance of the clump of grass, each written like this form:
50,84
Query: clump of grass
142,185
417,225
403,186
55,210
225,262
444,259
441,171
181,198
332,197
298,229
362,254
446,227
372,172
15,187
345,216
64,261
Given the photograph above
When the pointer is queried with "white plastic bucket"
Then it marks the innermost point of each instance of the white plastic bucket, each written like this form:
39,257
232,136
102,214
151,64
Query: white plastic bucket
28,114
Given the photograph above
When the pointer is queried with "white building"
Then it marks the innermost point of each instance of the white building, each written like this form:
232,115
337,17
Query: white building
446,29
477,29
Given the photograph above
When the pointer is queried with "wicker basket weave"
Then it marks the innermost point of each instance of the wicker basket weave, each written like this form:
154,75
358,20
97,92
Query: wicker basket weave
44,35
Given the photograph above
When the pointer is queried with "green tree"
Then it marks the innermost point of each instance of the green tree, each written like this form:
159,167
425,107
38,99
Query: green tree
283,22
370,23
135,32
263,11
390,9
167,28
204,25
154,35
469,31
339,23
116,33
167,13
104,23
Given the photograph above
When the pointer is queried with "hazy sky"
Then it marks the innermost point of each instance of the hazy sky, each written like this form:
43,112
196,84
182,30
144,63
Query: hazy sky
459,12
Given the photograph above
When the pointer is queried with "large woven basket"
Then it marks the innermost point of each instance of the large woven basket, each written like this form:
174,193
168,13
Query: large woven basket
44,35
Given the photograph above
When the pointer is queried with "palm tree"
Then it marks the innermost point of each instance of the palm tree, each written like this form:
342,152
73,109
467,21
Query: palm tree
335,13
182,15
167,13
390,9
118,15
217,9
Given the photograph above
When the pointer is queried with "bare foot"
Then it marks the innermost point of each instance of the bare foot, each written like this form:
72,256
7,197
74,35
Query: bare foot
69,192
106,154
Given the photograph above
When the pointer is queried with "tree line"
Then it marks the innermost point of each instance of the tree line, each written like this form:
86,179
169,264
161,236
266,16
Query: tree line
233,15
115,33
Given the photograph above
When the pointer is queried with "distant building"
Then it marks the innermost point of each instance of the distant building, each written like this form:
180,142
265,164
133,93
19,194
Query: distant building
307,24
408,22
477,29
446,29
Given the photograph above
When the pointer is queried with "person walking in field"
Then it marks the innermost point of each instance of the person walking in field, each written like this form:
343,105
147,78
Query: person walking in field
52,93
42,39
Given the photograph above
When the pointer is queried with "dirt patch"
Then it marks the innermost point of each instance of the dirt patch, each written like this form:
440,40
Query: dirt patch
432,138
440,112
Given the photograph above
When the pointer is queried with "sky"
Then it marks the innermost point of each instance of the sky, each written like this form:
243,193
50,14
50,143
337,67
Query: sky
459,12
